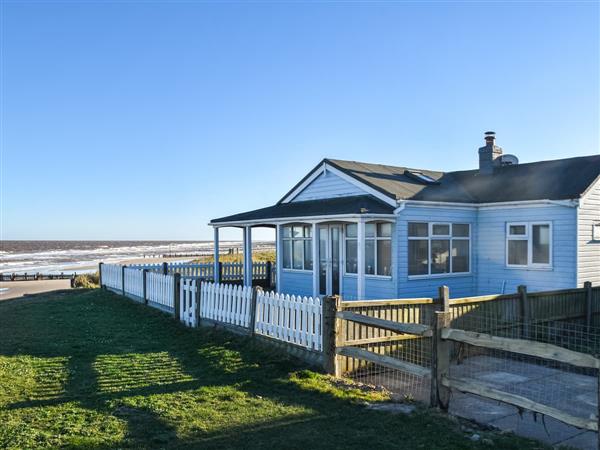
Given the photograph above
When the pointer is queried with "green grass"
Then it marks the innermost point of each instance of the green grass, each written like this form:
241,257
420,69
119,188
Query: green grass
89,369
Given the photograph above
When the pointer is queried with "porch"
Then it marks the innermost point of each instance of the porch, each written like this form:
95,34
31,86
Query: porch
333,246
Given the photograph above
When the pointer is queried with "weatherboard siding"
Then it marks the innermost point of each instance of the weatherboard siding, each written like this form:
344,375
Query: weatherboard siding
328,185
460,285
588,250
296,283
493,274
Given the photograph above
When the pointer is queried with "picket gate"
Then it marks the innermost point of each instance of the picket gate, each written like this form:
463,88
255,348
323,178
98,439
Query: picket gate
290,318
188,297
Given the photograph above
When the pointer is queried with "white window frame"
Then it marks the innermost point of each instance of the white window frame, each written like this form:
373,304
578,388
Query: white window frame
444,237
528,236
291,239
375,238
596,232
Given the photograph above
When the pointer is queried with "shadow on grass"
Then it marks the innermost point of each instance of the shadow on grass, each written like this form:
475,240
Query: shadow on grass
131,362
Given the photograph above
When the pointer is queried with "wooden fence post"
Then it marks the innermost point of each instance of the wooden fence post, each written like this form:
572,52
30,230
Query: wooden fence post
331,305
123,279
268,277
252,325
145,294
165,268
524,311
176,299
440,361
198,301
220,273
588,305
99,274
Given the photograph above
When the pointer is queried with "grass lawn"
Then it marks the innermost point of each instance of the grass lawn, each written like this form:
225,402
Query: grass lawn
90,369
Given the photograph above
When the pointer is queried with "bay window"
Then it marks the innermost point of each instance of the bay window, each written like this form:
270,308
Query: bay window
378,248
297,247
438,248
528,244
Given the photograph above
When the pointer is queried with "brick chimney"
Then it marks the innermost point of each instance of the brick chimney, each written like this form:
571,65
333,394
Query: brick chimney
489,156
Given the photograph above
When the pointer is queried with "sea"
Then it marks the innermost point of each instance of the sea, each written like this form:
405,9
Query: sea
53,257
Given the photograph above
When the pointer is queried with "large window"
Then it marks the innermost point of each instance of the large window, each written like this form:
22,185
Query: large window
297,247
378,248
528,244
438,248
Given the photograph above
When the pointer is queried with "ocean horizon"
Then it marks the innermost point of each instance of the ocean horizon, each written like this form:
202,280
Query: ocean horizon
80,256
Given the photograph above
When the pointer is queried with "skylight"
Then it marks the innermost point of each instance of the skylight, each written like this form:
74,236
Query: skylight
420,176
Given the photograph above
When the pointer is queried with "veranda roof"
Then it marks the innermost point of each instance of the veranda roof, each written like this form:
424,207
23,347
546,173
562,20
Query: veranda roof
353,205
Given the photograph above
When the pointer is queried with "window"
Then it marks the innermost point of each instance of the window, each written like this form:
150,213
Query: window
420,176
438,248
378,248
596,231
297,247
528,244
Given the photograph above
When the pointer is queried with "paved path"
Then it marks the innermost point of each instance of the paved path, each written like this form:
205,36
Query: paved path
574,393
15,289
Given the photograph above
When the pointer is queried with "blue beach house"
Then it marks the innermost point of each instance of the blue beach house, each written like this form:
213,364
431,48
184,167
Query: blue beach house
371,231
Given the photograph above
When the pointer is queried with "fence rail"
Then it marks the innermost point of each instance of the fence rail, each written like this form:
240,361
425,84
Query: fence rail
263,271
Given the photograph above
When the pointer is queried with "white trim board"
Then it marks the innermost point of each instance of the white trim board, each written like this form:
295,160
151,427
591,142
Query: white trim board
306,219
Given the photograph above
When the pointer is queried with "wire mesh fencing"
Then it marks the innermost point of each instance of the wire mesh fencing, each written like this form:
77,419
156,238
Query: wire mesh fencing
406,348
565,387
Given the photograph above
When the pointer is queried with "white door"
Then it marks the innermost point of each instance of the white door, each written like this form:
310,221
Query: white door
330,256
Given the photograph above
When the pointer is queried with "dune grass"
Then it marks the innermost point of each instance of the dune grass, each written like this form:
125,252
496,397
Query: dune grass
89,369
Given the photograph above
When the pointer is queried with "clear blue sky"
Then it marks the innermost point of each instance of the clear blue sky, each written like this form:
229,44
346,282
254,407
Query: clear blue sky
144,120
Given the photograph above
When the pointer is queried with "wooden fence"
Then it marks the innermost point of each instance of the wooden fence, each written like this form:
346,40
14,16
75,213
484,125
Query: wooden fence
188,295
226,303
261,271
290,318
414,336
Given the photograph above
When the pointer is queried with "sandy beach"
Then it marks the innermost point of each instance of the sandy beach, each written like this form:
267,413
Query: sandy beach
20,288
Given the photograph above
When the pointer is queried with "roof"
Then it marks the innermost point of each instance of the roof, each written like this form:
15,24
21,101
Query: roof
559,179
360,204
544,180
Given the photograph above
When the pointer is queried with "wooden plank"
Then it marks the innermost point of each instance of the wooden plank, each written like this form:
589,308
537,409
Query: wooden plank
382,360
484,390
398,327
401,301
480,299
382,339
523,347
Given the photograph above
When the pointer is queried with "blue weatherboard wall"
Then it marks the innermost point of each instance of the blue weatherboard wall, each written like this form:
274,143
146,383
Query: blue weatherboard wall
460,285
494,276
296,282
328,185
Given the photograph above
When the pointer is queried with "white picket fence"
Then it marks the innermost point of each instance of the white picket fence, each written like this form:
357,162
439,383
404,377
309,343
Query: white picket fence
290,318
187,296
160,290
293,319
112,276
226,303
134,282
229,271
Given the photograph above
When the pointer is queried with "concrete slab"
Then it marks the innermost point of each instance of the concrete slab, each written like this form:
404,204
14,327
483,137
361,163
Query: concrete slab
525,425
478,409
587,440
